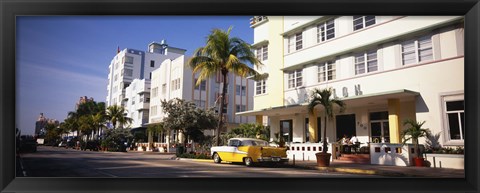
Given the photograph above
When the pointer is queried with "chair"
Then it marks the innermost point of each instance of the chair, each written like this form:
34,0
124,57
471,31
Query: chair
356,147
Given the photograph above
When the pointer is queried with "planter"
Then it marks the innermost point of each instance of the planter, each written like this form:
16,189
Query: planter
418,161
323,159
453,161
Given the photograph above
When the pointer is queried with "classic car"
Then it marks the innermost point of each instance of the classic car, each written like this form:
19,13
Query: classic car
249,151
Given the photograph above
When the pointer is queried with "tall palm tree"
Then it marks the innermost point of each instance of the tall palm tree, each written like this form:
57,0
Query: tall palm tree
98,122
413,132
324,98
116,114
223,54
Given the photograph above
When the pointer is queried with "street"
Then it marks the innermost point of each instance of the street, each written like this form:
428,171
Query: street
61,162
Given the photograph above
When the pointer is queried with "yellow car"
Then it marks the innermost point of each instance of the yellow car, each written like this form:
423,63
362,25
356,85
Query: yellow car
249,151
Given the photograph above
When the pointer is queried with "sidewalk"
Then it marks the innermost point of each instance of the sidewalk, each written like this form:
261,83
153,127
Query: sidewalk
368,169
390,171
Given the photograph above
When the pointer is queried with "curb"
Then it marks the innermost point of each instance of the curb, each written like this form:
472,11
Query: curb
331,169
197,160
354,171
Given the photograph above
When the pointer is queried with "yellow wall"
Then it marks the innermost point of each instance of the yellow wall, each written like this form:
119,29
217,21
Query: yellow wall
274,96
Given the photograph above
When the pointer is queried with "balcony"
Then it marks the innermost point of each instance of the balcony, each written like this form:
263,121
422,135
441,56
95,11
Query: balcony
256,20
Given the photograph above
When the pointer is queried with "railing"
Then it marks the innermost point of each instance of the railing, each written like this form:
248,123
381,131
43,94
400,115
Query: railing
393,154
160,147
307,151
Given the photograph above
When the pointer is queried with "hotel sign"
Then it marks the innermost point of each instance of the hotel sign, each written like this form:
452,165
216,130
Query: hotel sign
345,92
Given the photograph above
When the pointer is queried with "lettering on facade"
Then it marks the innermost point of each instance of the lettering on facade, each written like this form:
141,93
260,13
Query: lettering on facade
335,93
345,91
358,90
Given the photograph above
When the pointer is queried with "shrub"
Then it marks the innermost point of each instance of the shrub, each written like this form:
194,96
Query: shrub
447,150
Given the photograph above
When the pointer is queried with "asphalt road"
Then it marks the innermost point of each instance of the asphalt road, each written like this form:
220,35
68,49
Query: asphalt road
61,162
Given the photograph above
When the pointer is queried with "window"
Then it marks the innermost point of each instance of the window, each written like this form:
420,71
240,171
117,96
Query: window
128,72
286,131
133,100
152,63
241,90
260,87
155,92
298,41
295,42
128,59
240,108
366,62
202,86
262,53
153,110
116,77
417,51
164,88
360,22
454,117
326,71
176,84
295,78
325,31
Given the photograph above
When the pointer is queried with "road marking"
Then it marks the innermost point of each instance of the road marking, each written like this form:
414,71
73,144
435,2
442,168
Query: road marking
106,173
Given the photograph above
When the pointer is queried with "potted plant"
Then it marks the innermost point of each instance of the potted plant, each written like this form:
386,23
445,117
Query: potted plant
324,98
413,132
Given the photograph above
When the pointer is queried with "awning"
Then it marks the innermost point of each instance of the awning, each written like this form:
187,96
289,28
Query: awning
374,99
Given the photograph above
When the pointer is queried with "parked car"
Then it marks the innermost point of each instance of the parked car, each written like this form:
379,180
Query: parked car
70,144
62,144
91,145
249,151
28,144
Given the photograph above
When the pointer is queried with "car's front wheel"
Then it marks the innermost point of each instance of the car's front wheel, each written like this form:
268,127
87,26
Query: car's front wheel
248,161
216,158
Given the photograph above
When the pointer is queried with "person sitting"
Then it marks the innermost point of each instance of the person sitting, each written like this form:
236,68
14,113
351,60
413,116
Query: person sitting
354,143
344,144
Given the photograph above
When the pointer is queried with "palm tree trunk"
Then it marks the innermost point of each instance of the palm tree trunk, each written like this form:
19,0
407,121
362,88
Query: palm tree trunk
222,104
324,149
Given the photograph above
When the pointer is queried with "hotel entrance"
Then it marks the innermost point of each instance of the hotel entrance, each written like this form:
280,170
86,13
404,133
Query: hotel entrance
380,131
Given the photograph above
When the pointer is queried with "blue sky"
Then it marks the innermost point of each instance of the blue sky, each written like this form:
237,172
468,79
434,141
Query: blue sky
61,58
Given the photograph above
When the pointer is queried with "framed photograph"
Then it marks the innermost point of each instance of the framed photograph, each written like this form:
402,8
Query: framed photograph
312,40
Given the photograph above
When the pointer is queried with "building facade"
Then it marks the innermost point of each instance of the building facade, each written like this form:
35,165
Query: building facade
129,64
385,68
137,102
175,79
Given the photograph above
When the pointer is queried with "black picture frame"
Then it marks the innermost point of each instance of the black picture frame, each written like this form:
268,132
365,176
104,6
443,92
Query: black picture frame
9,9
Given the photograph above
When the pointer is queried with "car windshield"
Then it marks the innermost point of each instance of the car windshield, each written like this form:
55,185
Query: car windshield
253,143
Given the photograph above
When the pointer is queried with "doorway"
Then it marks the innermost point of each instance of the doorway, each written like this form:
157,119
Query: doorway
286,131
345,126
380,130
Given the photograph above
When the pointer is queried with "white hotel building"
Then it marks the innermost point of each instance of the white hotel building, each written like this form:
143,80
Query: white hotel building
131,64
385,68
139,80
175,79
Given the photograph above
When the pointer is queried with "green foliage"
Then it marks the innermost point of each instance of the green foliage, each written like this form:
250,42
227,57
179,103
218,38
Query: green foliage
432,143
413,132
447,150
250,130
194,156
323,97
223,54
115,138
116,114
185,117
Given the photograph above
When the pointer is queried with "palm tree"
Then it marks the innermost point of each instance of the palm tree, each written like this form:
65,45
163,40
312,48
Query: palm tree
414,132
116,114
98,122
223,54
324,98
